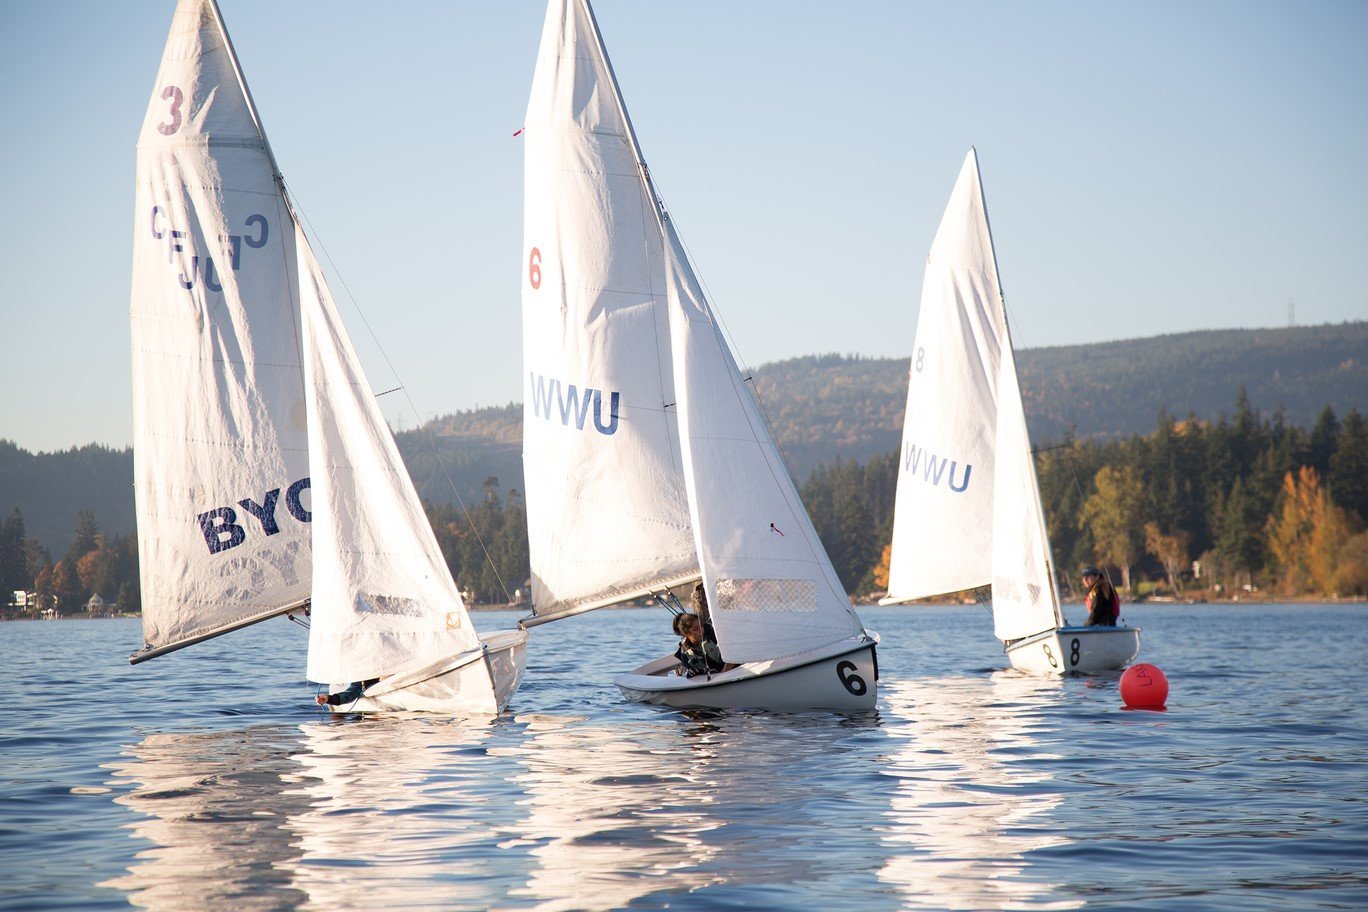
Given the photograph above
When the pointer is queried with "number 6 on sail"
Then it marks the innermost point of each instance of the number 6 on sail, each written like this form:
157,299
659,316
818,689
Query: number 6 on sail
688,486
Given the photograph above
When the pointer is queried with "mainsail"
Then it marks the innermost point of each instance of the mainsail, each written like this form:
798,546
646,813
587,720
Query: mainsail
383,598
942,521
607,515
968,507
221,462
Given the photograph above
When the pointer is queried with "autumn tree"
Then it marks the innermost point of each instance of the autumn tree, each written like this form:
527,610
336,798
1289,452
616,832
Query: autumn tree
66,587
1114,513
1306,534
1351,572
881,569
1170,550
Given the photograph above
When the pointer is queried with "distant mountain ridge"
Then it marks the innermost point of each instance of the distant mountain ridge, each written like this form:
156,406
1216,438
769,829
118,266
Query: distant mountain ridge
822,407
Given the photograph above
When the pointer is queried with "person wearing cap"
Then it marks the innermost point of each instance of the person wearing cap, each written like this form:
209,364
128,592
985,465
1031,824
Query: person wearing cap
1100,599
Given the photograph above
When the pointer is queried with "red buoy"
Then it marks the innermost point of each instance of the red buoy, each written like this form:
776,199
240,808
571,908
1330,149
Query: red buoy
1144,686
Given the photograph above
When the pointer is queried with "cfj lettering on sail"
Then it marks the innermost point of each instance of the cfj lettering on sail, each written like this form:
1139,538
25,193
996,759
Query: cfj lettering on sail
222,530
934,467
553,400
254,234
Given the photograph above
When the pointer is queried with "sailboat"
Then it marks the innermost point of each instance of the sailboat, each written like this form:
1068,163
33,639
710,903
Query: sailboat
968,511
647,463
267,482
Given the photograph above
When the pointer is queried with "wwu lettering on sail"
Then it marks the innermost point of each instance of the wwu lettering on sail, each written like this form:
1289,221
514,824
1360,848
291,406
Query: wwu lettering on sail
571,405
934,468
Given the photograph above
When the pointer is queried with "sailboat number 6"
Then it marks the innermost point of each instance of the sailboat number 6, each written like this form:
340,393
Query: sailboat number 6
852,682
534,269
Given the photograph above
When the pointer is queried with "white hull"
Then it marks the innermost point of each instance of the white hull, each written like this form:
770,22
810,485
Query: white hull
841,676
1075,649
480,681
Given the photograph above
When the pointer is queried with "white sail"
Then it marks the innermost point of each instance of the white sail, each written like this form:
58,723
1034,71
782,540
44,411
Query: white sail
606,508
942,522
383,598
770,585
1025,594
220,444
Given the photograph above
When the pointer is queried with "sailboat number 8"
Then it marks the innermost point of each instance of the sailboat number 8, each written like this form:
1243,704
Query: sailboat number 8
921,359
534,269
852,682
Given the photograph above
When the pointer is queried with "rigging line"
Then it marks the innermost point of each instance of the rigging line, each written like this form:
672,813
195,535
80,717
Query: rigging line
427,433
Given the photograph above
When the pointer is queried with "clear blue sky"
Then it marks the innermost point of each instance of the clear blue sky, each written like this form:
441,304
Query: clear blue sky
1150,168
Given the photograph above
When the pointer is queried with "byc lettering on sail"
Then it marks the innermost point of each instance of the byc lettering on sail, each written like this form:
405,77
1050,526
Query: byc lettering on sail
570,405
934,467
222,530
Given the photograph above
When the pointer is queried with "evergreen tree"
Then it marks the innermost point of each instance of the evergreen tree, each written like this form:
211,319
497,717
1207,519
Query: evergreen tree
1239,536
1348,476
13,570
86,539
1324,438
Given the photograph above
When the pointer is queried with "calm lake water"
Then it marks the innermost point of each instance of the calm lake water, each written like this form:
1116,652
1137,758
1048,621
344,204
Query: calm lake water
207,779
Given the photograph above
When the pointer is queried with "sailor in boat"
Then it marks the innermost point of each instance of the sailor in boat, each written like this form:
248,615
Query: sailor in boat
350,695
1100,599
698,652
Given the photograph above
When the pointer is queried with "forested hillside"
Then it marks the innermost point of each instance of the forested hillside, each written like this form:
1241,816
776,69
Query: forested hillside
50,489
823,407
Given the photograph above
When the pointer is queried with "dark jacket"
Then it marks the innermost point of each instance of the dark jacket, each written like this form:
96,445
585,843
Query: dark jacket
702,658
1102,603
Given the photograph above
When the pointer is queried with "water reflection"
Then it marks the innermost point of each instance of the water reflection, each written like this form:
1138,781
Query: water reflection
609,816
973,795
680,808
216,806
393,812
346,814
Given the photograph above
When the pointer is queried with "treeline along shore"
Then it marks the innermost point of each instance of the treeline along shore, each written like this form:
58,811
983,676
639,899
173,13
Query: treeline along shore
1242,491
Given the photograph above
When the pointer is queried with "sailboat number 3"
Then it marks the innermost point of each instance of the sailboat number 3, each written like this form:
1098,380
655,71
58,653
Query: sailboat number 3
851,681
534,269
177,98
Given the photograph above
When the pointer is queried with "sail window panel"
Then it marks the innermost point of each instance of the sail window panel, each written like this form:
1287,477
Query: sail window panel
789,596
